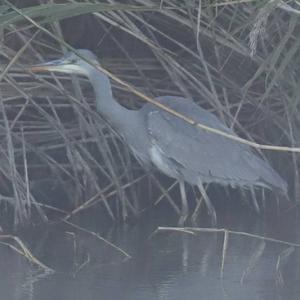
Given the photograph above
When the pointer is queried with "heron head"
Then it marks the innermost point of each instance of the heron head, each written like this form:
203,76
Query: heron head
70,63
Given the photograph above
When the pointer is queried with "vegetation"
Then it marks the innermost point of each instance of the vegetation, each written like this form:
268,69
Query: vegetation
239,59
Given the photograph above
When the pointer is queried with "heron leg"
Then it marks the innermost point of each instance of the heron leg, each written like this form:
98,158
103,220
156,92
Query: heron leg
197,209
210,207
184,204
263,197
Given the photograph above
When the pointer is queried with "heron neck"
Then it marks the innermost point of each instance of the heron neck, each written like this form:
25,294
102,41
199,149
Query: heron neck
109,108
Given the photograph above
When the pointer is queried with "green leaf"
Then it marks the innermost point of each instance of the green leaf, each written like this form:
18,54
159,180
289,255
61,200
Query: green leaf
47,13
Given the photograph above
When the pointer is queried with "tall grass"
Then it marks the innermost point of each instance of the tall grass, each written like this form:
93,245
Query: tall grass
240,59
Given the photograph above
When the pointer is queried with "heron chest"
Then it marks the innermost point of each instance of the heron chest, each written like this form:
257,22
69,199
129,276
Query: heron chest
161,162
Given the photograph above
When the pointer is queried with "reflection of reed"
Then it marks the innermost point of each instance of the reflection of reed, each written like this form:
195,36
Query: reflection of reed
255,257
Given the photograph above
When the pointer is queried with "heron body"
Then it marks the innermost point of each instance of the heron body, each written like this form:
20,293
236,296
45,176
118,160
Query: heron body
176,148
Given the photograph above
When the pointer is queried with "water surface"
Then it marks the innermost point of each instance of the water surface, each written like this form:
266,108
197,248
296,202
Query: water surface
166,265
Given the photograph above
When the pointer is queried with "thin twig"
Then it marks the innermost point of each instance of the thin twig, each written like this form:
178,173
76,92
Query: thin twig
127,256
24,251
224,230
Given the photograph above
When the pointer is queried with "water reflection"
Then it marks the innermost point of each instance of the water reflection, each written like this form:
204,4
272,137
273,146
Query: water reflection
167,265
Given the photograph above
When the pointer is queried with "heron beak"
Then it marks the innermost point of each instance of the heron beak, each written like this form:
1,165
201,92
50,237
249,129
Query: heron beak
53,66
59,65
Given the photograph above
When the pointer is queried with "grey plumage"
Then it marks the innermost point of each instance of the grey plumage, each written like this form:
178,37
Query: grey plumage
196,152
178,149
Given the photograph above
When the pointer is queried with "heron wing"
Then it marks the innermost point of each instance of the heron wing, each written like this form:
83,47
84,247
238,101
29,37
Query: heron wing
194,151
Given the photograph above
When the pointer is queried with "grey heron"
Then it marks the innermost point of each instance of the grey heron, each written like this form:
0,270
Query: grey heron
179,150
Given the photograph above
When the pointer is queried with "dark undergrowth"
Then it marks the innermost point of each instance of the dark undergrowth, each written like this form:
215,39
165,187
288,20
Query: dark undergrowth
59,157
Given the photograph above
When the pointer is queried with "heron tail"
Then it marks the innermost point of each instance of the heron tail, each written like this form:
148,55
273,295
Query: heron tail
270,178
